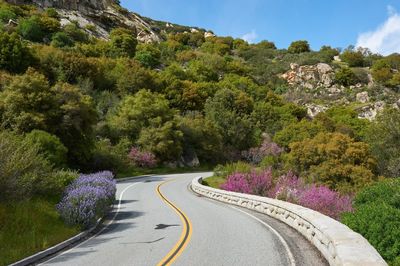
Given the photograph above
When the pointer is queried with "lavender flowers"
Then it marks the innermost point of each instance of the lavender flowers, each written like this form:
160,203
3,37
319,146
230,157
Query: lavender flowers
87,199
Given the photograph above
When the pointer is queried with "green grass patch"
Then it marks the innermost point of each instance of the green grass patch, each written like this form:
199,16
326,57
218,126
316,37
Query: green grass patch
29,227
214,181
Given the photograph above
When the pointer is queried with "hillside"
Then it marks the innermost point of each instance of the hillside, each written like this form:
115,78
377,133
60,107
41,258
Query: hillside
103,15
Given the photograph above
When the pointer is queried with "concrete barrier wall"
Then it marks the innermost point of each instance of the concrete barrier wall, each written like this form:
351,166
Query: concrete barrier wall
337,243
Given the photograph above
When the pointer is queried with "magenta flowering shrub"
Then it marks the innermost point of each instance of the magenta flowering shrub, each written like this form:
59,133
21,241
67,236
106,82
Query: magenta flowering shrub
142,158
326,201
288,188
292,189
253,183
267,148
87,198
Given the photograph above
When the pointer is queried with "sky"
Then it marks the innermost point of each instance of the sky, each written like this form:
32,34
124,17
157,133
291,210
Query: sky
373,24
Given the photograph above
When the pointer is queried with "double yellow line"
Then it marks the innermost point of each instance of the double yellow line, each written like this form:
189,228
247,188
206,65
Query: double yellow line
186,234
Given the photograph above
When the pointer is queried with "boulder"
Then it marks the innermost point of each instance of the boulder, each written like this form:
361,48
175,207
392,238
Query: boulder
362,97
313,109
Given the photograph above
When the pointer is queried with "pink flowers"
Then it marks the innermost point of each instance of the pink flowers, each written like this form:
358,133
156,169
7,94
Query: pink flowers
252,183
292,189
142,158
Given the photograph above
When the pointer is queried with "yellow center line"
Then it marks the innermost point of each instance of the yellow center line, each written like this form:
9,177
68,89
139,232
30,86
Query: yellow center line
186,234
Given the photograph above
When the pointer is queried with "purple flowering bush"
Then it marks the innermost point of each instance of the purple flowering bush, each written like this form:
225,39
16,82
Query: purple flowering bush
267,148
257,183
143,159
292,189
87,198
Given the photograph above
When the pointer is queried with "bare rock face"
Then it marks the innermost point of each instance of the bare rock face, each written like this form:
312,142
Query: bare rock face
310,76
313,109
370,112
78,5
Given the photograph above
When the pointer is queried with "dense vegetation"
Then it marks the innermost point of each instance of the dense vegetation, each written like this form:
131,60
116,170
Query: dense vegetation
69,100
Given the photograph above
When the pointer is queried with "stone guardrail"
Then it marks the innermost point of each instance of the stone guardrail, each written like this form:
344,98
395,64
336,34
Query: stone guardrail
337,243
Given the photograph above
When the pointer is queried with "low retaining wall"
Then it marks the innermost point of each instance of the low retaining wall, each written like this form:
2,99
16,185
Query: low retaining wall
337,243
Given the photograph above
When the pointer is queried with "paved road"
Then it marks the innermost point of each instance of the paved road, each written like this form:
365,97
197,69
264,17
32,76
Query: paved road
160,221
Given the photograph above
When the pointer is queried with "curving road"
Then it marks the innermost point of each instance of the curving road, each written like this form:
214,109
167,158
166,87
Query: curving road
159,221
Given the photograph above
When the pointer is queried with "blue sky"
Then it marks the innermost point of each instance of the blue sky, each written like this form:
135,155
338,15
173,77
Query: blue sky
339,23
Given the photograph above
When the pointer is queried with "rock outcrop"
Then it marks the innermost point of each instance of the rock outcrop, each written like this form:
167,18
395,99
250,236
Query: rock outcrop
310,76
103,14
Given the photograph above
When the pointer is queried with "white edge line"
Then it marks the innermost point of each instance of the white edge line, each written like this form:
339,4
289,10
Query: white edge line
102,230
285,244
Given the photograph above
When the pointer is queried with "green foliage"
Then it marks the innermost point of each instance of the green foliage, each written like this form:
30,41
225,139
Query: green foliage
353,58
377,218
7,13
164,140
333,159
123,43
62,110
23,172
148,55
144,109
384,139
49,146
201,136
230,112
346,77
15,56
32,29
61,39
299,47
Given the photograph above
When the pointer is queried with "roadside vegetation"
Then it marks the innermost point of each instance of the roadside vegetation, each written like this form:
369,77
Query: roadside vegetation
73,104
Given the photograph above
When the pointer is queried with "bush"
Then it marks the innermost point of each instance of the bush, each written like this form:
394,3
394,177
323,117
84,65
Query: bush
15,56
32,29
353,58
345,77
50,147
299,47
87,199
61,39
267,148
23,172
377,218
249,183
142,158
290,188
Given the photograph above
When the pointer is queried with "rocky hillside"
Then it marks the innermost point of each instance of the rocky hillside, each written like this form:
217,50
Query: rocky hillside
100,16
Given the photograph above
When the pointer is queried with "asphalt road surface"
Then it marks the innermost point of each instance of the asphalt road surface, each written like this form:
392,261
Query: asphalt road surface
158,220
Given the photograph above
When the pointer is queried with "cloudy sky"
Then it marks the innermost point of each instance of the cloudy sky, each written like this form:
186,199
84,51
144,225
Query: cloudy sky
369,23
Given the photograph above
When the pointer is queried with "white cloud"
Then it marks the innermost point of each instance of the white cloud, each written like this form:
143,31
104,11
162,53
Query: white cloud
250,37
386,38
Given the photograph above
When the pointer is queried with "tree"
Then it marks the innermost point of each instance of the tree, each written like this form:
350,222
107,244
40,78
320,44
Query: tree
299,47
384,138
62,110
142,110
335,160
15,56
382,71
230,112
353,58
148,55
123,43
164,140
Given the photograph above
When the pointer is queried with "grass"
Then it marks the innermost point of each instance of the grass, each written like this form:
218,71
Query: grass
214,181
29,227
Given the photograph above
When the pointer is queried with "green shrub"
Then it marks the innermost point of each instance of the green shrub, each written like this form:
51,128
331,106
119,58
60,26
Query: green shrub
15,56
49,146
230,168
299,47
23,172
61,39
377,218
32,29
346,77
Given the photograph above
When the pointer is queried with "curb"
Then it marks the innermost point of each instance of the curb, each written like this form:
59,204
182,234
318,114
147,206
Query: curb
73,240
